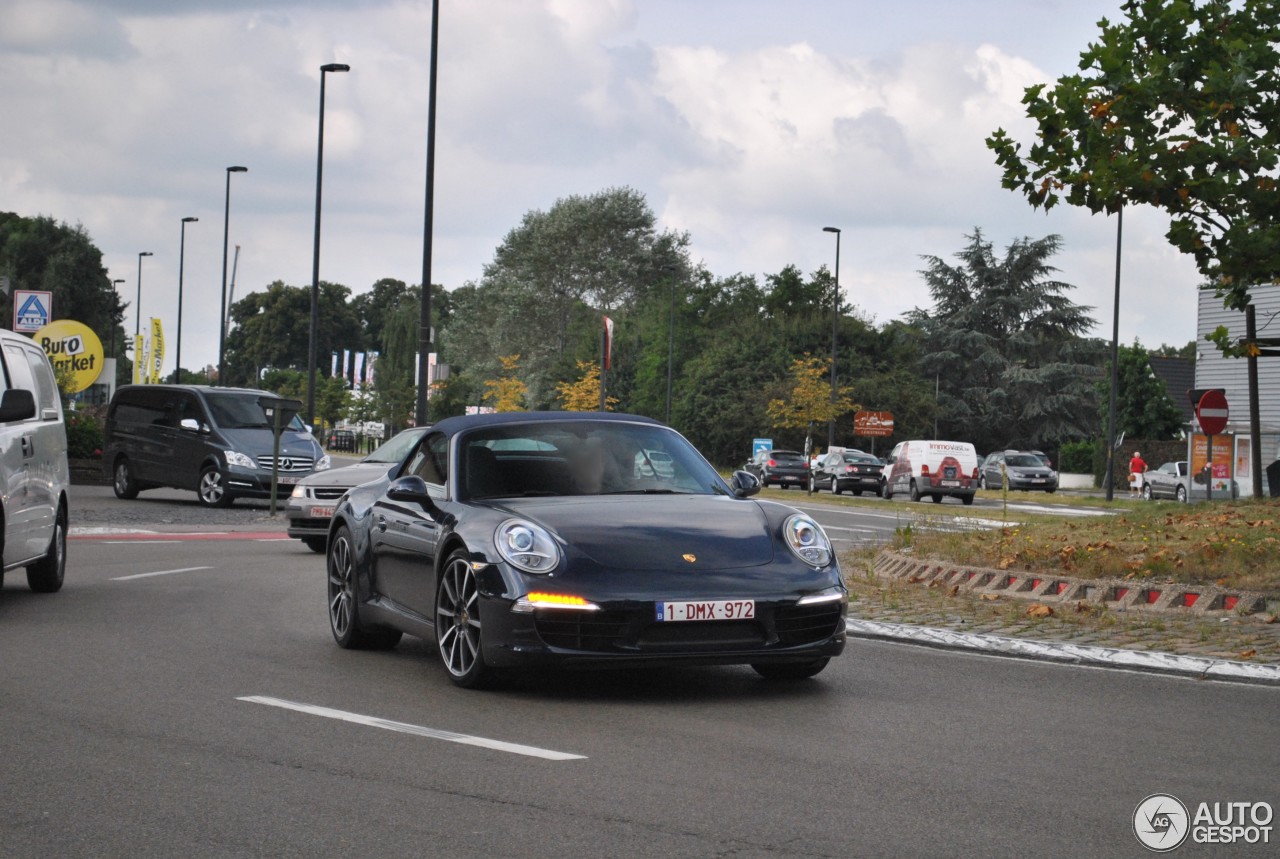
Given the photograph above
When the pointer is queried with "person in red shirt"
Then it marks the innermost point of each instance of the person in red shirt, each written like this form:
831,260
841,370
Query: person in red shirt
1136,469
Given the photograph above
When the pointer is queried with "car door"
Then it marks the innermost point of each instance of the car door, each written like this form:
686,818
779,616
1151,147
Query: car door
188,437
405,534
31,451
15,467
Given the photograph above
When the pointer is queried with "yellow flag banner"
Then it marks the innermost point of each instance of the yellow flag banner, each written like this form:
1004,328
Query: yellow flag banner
140,374
157,350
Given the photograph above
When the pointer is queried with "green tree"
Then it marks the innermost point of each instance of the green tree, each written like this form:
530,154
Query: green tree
1003,343
1143,407
808,399
272,330
1177,107
42,254
550,280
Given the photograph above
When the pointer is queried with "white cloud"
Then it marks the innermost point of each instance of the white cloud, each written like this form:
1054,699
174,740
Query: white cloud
123,114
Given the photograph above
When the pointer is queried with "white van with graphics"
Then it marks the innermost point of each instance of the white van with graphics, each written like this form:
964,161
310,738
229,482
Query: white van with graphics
932,468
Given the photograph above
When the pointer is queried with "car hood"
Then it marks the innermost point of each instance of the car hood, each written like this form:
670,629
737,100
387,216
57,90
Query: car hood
656,532
350,475
257,442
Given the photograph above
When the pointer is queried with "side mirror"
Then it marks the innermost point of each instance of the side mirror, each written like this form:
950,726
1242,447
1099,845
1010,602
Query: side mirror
745,484
189,424
411,490
17,404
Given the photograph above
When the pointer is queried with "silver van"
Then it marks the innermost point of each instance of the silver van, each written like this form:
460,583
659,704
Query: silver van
33,465
216,441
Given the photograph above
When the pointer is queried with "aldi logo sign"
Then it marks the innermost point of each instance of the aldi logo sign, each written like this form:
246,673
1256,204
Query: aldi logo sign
32,309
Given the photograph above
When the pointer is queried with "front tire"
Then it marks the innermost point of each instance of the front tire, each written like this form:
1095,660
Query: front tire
886,491
122,480
315,544
213,488
459,630
1146,492
45,575
790,670
1182,495
344,610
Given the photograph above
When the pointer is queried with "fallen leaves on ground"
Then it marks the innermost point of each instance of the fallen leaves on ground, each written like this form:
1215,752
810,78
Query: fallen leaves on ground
1247,654
1039,610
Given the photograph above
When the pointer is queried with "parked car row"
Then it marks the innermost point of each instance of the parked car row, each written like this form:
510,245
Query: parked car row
1020,470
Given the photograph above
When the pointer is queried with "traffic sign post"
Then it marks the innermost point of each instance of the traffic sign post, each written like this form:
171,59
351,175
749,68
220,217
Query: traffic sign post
1211,413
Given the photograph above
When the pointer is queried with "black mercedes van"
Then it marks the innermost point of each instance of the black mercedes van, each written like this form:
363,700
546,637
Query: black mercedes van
216,441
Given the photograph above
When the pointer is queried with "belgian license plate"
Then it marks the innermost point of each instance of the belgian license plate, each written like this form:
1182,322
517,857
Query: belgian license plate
790,477
286,481
705,610
321,512
951,483
1039,480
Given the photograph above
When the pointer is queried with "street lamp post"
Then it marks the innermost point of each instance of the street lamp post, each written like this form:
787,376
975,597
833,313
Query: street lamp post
312,343
182,251
115,306
835,317
222,318
137,304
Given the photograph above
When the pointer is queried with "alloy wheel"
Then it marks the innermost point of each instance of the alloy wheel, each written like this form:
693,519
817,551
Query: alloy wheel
341,587
458,619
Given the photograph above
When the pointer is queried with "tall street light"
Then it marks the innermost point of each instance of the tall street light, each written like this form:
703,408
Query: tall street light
422,412
182,251
222,318
835,317
137,304
312,343
115,306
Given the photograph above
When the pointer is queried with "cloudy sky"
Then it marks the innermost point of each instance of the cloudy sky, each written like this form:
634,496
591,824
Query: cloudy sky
751,124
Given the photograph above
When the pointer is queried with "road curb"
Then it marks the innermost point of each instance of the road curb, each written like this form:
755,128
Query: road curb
1117,594
1197,667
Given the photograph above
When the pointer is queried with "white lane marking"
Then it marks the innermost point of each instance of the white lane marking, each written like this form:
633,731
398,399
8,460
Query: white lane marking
417,730
159,573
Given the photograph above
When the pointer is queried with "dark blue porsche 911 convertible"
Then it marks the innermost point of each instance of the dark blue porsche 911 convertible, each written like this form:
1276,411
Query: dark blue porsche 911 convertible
564,538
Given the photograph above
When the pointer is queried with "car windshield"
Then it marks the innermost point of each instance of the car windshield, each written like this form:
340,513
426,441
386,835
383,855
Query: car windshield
581,458
1023,460
241,411
397,448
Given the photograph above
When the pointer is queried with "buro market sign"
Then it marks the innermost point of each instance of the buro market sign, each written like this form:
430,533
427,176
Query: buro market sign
75,352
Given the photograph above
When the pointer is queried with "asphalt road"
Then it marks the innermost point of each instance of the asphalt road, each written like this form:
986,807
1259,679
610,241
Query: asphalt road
150,709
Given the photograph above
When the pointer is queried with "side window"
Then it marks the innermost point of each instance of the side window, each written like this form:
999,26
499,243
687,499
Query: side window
46,387
15,360
138,407
173,405
431,461
189,408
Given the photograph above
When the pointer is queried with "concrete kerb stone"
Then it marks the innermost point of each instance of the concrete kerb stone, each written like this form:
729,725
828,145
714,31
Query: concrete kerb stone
1197,667
1050,588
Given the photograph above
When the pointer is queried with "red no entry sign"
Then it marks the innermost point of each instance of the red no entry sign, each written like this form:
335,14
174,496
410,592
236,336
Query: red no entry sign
1211,411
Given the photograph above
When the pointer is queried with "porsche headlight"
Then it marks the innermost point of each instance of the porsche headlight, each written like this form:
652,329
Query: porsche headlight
526,546
807,539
